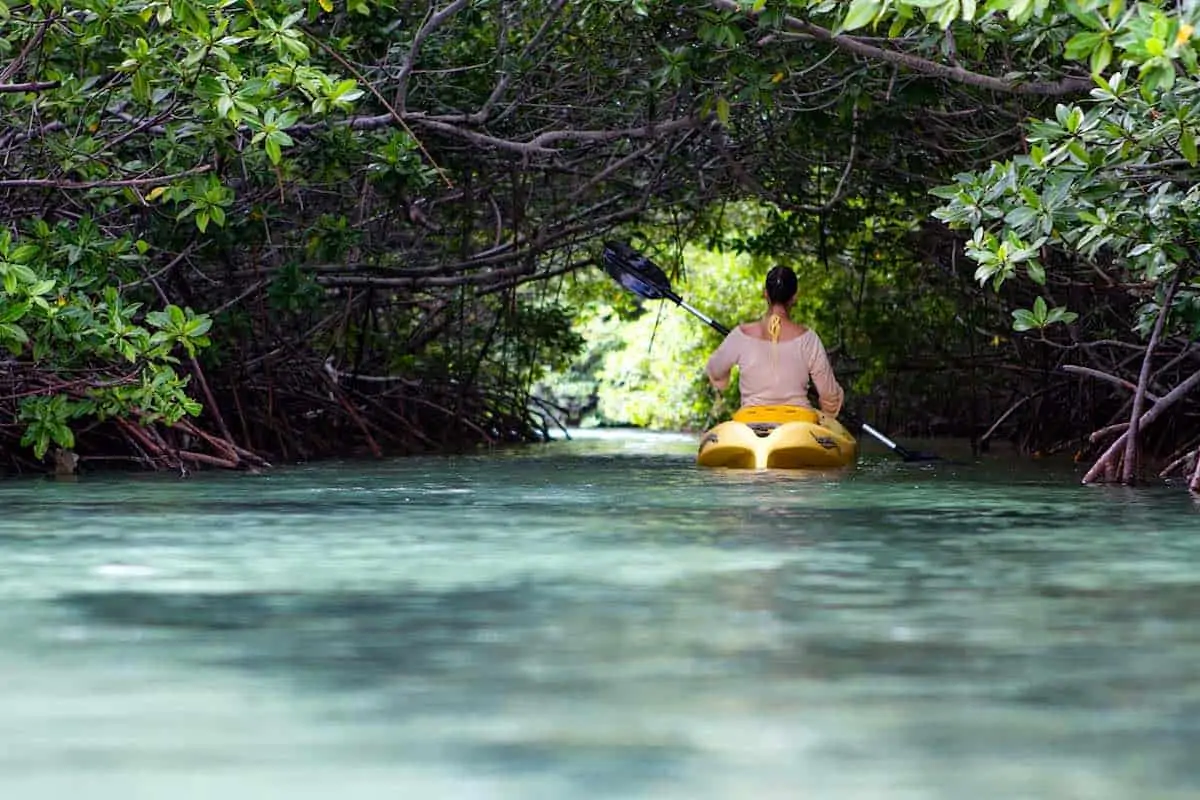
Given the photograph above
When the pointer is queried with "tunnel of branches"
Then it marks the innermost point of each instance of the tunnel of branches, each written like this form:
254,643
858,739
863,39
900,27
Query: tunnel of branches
391,285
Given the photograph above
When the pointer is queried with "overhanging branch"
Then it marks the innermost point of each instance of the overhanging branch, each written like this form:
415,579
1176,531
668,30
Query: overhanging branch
33,86
922,65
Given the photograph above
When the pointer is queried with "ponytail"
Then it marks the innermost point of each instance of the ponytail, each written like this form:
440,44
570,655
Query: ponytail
781,288
774,327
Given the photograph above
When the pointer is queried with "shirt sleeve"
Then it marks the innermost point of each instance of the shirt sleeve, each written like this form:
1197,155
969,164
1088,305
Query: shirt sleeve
821,373
721,362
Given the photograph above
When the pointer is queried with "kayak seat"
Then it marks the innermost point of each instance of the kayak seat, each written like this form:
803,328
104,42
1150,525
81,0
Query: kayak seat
774,415
762,428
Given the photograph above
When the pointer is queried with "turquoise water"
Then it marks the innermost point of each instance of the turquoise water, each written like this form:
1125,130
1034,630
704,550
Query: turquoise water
596,619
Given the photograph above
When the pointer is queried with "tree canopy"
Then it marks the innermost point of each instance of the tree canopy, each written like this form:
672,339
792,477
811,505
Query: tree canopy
246,230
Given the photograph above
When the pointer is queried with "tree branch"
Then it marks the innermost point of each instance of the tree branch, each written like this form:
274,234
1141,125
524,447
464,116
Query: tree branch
922,65
431,24
1168,400
55,183
1139,397
1104,376
33,86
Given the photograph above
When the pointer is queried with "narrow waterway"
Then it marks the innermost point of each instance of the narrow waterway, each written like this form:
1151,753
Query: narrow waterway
599,619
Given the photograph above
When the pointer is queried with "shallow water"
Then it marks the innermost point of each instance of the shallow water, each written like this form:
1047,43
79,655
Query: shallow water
599,618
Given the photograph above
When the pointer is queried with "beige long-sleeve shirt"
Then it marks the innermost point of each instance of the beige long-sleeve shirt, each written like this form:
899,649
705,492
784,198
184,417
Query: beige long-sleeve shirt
781,378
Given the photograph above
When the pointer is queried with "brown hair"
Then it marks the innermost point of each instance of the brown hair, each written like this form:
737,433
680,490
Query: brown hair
781,284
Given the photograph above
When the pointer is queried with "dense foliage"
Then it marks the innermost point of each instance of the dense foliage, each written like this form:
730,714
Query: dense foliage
1105,189
245,230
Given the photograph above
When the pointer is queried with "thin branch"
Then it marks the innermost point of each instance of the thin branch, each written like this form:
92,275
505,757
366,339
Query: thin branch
30,44
643,132
1104,376
1139,396
33,86
480,116
431,24
54,183
187,251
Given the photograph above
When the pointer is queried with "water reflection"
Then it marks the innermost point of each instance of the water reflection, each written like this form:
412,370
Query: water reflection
599,618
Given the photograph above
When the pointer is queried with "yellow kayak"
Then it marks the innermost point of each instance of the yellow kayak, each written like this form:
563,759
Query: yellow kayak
778,437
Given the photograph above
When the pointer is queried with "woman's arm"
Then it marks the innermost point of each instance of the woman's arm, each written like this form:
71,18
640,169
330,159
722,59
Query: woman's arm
721,362
821,373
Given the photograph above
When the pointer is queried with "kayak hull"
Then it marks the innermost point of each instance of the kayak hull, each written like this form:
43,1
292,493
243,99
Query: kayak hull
819,444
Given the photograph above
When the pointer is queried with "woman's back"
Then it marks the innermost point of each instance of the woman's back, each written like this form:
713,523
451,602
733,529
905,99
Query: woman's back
779,372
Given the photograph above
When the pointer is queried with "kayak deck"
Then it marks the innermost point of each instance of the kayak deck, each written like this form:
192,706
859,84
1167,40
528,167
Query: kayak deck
811,440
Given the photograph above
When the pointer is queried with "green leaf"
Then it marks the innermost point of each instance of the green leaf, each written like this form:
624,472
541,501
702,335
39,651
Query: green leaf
1023,320
1087,18
1020,10
62,435
14,333
199,325
141,86
273,151
1037,273
1101,57
861,13
1075,119
1020,216
42,287
24,274
1082,44
25,253
1039,308
296,47
14,312
40,441
1187,144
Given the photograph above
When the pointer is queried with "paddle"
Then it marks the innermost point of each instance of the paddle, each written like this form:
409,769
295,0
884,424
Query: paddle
643,277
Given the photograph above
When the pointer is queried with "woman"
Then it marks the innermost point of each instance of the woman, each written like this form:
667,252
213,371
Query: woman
777,357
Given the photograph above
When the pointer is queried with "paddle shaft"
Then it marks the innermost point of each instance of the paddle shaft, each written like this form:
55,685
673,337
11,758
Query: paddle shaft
712,323
904,453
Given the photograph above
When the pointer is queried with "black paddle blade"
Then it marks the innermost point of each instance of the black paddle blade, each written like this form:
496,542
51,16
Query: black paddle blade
635,272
